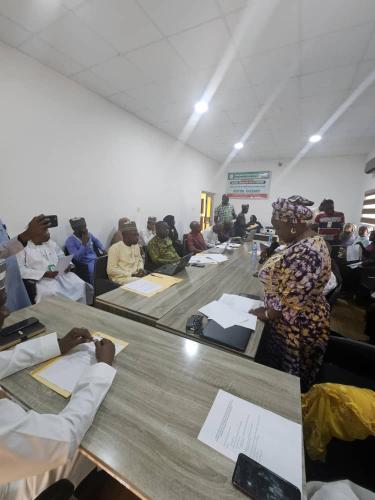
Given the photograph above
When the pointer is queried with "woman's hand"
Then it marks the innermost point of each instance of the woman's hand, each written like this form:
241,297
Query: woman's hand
260,313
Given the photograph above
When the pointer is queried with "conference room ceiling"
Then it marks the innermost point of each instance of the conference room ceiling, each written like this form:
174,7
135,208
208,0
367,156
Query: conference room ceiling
295,65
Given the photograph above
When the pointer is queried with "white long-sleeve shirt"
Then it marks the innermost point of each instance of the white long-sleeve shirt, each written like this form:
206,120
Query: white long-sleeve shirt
33,443
11,247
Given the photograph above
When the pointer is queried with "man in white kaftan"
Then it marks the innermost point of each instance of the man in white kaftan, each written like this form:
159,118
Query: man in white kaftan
38,261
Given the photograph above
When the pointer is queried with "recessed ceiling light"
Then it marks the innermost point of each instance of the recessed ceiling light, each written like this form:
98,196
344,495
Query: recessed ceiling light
238,145
201,107
315,138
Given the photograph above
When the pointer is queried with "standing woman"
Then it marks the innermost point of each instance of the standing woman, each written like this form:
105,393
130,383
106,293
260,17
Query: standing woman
296,310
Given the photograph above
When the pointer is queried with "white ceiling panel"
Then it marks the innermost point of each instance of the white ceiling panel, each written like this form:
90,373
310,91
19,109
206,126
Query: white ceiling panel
72,37
72,4
120,73
95,83
127,102
335,49
281,28
330,80
242,115
157,58
33,15
44,53
172,16
227,6
324,16
229,99
159,61
11,33
202,47
272,66
121,22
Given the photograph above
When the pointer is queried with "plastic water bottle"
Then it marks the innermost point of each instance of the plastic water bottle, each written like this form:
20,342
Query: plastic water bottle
270,238
254,252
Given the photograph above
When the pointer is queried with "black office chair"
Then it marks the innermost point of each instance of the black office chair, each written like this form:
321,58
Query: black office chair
61,490
102,284
30,286
149,265
334,294
348,362
184,245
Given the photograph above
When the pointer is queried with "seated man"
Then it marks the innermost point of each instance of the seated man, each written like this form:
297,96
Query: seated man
195,240
17,297
211,235
125,262
173,234
254,224
118,234
160,248
239,227
146,235
38,261
84,247
37,449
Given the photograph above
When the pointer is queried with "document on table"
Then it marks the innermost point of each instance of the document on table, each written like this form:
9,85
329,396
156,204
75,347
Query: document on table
63,263
201,259
62,374
232,310
353,252
216,257
143,287
240,303
223,314
235,426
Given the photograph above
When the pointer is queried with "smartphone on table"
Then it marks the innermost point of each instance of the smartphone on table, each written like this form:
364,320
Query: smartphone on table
259,483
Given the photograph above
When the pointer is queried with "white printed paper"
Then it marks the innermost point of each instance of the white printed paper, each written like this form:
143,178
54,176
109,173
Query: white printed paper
142,286
223,314
217,257
353,252
63,263
68,370
235,426
244,304
201,259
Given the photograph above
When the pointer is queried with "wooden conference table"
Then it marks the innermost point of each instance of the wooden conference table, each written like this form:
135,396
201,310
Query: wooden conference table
170,309
145,432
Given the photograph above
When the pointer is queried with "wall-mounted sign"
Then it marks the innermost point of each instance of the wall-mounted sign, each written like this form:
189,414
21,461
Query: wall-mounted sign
255,185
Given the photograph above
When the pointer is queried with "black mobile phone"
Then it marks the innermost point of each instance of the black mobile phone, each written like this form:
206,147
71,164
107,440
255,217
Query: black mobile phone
52,220
16,327
259,483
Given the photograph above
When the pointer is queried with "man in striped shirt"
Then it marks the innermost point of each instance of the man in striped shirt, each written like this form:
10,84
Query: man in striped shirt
330,222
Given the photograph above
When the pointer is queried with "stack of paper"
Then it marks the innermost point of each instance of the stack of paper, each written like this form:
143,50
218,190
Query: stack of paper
151,284
232,310
208,258
62,374
63,263
235,426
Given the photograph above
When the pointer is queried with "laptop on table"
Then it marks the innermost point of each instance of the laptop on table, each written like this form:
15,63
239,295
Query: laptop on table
176,267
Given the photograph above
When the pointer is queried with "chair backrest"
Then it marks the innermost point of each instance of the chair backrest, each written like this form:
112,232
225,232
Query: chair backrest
30,286
100,269
184,245
335,293
352,355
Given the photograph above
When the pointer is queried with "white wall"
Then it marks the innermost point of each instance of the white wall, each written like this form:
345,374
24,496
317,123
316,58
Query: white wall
339,178
66,151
